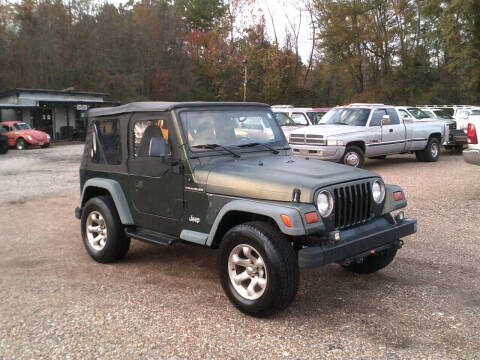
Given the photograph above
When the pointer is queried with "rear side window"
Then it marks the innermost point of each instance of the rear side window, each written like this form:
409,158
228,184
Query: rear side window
394,120
106,140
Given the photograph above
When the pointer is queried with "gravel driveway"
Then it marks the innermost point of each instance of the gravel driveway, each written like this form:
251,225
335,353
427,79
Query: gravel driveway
168,302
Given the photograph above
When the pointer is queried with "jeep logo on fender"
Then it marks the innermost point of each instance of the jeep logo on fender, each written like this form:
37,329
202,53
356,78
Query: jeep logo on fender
194,219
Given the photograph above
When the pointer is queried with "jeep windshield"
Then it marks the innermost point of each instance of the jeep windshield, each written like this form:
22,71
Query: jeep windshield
346,116
231,129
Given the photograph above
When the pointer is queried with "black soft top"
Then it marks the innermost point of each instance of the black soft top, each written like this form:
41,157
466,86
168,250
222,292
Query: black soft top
148,106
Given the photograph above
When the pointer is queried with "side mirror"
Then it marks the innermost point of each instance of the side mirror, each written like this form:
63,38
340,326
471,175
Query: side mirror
157,148
385,120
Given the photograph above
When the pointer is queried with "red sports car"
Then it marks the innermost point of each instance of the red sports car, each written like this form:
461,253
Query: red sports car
21,135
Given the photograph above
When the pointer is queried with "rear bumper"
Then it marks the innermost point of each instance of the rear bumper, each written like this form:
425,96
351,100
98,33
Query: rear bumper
472,156
459,137
331,153
376,235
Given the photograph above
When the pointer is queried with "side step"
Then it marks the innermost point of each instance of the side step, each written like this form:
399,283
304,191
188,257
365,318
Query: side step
151,237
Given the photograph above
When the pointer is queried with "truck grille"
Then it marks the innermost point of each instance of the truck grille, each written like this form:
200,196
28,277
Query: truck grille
353,205
452,126
303,139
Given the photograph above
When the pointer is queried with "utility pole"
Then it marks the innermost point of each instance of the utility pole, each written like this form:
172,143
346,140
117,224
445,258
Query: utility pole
244,61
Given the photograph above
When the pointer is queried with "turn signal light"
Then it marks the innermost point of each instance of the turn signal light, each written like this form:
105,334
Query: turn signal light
286,220
472,134
397,195
311,217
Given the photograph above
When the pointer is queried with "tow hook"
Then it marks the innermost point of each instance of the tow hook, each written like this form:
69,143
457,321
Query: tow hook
398,244
399,217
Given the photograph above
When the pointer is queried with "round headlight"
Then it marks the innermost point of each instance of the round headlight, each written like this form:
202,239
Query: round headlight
324,203
378,191
29,138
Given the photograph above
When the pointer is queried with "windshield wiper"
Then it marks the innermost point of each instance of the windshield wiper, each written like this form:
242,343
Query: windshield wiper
216,146
275,151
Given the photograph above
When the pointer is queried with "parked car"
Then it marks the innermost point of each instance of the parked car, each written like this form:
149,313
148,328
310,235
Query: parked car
286,123
194,174
453,138
21,135
301,116
349,134
472,153
459,112
3,141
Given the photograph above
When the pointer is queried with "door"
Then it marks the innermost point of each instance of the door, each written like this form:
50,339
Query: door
156,182
393,134
42,119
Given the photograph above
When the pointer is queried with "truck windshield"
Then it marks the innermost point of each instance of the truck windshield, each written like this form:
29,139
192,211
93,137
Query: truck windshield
346,116
418,114
230,128
284,120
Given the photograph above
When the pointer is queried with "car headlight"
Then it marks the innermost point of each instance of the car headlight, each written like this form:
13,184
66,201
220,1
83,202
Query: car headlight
29,138
334,142
48,137
324,203
378,191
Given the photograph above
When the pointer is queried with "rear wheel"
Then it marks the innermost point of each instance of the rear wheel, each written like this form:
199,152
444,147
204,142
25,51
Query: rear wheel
374,262
102,231
353,156
21,144
431,153
258,268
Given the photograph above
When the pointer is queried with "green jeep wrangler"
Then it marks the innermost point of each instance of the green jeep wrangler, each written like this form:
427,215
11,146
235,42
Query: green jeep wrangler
222,175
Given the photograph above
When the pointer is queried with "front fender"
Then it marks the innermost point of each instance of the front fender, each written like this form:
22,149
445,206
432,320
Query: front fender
390,203
274,211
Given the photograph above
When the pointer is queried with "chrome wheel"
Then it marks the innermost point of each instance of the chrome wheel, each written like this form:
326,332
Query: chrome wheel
434,149
351,158
96,230
247,271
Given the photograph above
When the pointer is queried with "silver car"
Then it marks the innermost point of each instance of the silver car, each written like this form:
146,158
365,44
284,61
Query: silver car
349,134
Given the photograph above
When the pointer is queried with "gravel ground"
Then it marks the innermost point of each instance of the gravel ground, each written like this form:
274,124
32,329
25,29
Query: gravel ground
168,302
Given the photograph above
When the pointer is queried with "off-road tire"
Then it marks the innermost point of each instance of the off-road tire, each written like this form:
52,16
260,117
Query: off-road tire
281,267
44,146
358,151
21,144
374,262
380,157
117,243
426,155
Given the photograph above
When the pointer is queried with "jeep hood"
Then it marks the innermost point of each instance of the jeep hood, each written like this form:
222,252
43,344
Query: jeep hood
274,177
328,130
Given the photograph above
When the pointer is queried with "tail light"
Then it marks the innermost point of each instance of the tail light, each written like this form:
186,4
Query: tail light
472,134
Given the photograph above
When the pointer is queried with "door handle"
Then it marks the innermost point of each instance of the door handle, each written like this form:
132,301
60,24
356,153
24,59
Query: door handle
139,184
390,130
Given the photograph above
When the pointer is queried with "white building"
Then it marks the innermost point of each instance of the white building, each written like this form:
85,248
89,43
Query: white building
60,113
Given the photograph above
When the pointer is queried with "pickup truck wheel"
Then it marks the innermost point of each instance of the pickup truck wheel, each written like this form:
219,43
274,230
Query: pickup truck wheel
431,153
373,263
102,231
21,144
353,156
258,268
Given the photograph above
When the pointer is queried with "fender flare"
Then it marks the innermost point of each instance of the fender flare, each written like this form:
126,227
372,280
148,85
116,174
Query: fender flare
270,210
116,191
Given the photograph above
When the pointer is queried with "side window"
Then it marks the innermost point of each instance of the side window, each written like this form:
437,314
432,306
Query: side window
144,131
6,128
403,114
106,135
299,118
394,120
377,117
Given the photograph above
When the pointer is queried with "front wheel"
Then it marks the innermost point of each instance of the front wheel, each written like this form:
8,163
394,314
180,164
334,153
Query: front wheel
374,262
353,156
102,231
21,144
258,269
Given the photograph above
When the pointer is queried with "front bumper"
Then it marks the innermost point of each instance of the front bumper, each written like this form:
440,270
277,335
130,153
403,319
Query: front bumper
376,235
471,156
331,153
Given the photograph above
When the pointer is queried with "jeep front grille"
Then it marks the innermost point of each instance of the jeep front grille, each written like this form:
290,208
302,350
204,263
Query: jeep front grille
308,139
353,205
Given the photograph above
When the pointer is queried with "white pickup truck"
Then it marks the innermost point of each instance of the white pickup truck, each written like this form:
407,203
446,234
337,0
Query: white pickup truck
349,134
472,154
